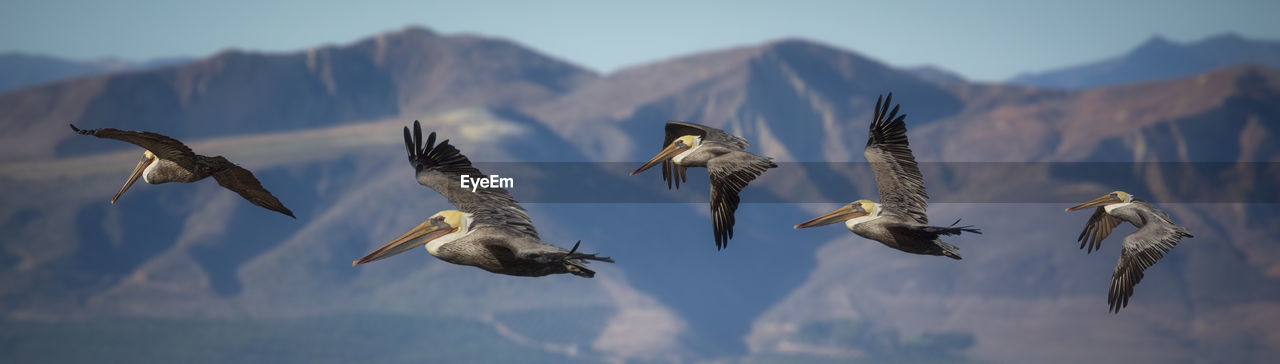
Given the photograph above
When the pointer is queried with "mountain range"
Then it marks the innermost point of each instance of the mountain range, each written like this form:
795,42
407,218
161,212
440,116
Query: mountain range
1159,58
320,128
23,70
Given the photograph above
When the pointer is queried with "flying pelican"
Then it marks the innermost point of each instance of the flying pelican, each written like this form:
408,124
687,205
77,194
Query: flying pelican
899,220
1155,236
488,230
167,160
724,156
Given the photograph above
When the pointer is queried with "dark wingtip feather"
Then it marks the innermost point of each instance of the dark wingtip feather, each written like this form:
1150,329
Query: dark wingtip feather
408,145
417,135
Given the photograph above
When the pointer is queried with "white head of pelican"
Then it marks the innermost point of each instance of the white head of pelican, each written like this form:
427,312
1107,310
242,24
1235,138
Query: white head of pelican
140,170
442,228
855,213
1110,201
676,151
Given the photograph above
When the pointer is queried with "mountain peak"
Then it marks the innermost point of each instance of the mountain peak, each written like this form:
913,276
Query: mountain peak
411,31
1159,58
1155,43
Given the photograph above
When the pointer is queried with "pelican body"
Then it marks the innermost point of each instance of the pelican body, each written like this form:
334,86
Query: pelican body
489,230
166,160
899,220
728,164
1156,235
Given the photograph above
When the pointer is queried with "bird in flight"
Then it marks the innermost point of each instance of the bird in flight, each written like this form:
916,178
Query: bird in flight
489,230
165,160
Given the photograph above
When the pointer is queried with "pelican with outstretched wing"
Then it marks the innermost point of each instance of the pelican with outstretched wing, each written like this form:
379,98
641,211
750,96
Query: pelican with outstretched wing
899,220
1156,235
167,160
727,162
488,230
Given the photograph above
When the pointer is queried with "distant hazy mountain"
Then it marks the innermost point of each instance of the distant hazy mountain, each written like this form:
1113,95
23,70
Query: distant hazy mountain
321,129
1159,58
773,93
935,74
22,70
410,72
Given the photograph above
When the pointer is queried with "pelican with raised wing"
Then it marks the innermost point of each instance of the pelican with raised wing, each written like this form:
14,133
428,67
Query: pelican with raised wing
1156,235
727,162
488,230
899,220
167,160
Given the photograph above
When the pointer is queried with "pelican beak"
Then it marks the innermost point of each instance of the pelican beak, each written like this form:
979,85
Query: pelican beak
133,177
839,215
1100,201
667,153
420,235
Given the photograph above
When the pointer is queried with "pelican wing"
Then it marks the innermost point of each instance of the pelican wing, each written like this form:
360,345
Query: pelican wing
441,166
1098,227
240,180
1141,250
898,178
513,250
676,129
729,174
162,146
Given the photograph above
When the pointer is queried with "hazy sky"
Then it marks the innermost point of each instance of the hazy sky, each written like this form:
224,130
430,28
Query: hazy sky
991,41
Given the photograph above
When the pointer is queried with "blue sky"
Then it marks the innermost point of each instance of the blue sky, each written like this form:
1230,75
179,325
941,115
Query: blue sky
989,40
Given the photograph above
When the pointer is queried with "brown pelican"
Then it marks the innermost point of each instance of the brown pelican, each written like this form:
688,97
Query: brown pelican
488,230
730,166
167,160
899,220
1155,236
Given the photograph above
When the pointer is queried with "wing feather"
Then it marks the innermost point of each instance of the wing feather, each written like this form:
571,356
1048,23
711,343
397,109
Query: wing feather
1142,249
898,177
240,180
1097,228
676,129
730,173
162,146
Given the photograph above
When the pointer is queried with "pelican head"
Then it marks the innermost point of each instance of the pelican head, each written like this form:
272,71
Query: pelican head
1114,197
851,211
680,145
147,159
443,227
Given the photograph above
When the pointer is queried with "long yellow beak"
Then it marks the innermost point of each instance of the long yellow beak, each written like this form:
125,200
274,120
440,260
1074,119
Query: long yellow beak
419,235
133,177
667,153
1100,201
839,215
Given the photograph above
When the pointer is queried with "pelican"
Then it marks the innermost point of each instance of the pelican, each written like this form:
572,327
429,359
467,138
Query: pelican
165,160
488,230
1156,235
899,220
727,162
